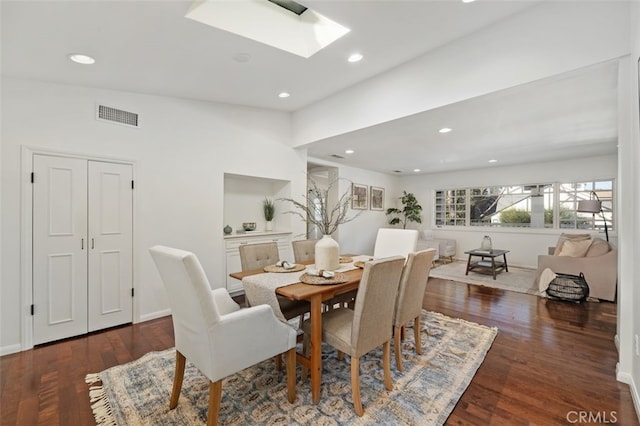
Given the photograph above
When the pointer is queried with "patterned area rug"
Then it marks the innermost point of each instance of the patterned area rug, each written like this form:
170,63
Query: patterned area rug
426,392
520,280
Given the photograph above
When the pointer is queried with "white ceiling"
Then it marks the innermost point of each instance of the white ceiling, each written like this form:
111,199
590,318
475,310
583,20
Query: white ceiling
149,47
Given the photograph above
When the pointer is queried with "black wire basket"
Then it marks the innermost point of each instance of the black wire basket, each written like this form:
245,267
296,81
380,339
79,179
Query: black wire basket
572,288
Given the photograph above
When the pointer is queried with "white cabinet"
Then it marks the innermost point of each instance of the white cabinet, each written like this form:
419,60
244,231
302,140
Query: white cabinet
233,242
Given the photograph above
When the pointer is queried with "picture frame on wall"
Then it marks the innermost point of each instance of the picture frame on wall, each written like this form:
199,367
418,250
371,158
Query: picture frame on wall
359,196
376,198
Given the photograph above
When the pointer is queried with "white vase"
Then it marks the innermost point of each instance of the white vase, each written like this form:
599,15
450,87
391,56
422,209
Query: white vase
486,243
268,226
327,254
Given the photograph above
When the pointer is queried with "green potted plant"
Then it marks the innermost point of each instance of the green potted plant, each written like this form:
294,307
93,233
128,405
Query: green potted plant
411,211
269,209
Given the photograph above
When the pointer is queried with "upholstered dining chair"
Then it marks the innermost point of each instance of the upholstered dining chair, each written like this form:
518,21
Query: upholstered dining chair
368,325
395,242
257,256
304,250
409,302
213,333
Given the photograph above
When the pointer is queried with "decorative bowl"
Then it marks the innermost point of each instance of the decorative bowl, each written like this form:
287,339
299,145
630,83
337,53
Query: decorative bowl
249,226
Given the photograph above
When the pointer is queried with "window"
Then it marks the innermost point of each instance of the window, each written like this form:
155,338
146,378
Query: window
525,206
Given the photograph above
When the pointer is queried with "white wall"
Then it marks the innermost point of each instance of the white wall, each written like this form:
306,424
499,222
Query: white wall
524,245
181,152
629,270
358,237
542,41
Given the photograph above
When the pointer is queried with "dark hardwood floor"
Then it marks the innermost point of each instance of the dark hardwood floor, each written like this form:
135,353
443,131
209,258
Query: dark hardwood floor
550,362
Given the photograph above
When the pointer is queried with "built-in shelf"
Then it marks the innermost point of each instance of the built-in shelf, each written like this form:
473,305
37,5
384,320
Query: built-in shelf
255,234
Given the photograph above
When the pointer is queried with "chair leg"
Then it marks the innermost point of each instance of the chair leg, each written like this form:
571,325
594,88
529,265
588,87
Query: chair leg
177,380
291,374
386,362
215,395
397,344
416,335
355,386
305,351
340,355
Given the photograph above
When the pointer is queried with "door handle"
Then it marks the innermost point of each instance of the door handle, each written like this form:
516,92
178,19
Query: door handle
82,244
92,244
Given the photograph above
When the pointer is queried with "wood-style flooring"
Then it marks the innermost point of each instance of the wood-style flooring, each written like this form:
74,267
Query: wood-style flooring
550,363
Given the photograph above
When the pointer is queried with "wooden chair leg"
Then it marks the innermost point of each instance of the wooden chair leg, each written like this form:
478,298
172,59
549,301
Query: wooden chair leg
386,362
416,335
177,380
403,332
355,386
291,374
340,355
397,345
215,395
306,343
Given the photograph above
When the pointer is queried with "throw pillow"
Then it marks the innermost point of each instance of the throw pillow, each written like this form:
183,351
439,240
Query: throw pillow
598,247
573,237
573,248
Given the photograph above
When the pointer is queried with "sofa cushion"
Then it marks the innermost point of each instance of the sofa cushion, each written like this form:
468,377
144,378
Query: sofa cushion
574,248
598,247
573,237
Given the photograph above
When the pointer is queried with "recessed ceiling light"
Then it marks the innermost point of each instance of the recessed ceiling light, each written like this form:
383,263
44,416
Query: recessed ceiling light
468,1
284,94
355,57
416,170
79,58
349,151
493,160
445,130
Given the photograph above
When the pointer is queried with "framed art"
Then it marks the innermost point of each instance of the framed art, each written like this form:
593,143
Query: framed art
359,199
376,198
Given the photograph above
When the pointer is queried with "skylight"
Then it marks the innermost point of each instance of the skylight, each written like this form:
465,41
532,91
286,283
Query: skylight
302,34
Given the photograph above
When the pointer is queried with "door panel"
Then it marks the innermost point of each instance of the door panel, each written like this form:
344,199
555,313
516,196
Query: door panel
110,252
59,248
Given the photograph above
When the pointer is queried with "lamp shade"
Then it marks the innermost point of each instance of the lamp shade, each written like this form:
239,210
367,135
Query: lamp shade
589,206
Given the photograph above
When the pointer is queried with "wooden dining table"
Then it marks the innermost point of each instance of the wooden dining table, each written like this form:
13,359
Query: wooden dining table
315,295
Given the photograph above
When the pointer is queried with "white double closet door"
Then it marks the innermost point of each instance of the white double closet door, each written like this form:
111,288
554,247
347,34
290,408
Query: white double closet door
82,246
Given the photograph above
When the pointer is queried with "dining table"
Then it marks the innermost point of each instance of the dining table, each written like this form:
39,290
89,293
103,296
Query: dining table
259,284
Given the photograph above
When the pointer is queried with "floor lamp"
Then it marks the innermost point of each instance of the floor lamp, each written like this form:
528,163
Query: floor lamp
593,207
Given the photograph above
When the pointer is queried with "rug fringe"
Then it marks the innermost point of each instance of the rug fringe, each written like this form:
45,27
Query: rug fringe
99,402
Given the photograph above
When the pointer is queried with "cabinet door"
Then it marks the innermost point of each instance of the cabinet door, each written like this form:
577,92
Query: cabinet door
233,265
59,248
110,244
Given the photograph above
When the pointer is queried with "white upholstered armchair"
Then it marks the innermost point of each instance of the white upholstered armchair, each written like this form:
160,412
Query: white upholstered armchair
212,331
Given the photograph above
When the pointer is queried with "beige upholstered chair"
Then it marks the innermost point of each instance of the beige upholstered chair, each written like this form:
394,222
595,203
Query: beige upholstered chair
366,327
409,302
213,333
395,242
257,256
304,250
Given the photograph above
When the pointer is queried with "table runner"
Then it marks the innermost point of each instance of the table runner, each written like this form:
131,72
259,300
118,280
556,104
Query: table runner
260,289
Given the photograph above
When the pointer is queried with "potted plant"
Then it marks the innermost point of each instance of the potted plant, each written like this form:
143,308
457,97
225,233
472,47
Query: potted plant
269,209
410,212
316,210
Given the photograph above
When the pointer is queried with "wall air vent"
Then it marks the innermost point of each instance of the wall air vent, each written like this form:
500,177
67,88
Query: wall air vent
118,116
336,156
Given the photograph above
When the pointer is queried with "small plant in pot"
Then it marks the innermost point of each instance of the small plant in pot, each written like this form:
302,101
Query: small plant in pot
411,211
269,209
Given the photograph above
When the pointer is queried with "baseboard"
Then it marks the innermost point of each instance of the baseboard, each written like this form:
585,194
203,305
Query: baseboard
635,396
11,349
155,315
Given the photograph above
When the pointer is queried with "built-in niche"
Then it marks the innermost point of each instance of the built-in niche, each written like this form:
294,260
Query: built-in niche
243,198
